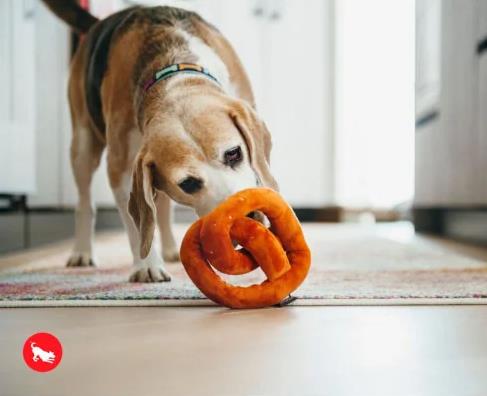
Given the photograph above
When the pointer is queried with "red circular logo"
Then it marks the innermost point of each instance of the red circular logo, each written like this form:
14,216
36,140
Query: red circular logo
42,352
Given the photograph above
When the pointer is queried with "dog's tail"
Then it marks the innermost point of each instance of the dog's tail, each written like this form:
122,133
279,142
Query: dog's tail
32,345
72,13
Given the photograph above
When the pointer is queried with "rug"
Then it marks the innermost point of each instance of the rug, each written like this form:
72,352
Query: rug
351,265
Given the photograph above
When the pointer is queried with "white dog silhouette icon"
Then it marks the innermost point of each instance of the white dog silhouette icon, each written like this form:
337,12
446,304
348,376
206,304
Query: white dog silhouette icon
39,353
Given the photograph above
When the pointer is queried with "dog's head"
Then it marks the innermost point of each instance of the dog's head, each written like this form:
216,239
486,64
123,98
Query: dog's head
198,151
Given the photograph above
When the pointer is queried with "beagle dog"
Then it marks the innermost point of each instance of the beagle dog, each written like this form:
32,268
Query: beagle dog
166,95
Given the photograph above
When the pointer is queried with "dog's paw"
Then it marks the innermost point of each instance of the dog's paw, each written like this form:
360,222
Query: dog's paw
81,260
150,273
170,255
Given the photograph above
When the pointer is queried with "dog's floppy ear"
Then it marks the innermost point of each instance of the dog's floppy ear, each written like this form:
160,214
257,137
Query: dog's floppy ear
141,203
258,140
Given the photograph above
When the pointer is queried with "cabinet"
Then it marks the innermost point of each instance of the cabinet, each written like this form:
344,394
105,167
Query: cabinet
53,125
17,103
481,113
451,134
297,99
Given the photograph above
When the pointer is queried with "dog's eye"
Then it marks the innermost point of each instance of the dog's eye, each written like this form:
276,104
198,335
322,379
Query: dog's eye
233,156
190,185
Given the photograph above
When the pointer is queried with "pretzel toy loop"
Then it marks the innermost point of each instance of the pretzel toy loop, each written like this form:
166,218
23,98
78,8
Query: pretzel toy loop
281,251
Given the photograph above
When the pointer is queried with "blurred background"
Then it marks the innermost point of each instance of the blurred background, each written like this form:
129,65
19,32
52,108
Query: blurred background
374,116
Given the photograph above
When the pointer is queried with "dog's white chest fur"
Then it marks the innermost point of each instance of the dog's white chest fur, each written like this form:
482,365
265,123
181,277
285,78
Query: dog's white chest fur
208,58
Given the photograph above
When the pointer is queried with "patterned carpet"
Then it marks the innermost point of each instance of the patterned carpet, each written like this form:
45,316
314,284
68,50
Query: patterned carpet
351,265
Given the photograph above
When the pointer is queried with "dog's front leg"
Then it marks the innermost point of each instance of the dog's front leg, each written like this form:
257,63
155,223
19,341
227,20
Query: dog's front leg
151,268
170,251
85,157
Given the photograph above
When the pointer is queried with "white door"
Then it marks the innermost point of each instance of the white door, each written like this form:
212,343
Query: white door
298,96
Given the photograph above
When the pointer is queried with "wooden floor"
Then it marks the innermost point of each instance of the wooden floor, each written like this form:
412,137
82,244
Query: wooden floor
292,351
404,350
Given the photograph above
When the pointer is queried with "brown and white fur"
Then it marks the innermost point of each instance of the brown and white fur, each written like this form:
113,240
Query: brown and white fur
180,128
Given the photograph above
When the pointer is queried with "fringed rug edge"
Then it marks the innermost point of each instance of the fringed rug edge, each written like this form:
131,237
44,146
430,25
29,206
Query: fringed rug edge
207,303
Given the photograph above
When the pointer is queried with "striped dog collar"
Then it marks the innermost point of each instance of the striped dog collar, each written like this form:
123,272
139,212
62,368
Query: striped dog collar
171,70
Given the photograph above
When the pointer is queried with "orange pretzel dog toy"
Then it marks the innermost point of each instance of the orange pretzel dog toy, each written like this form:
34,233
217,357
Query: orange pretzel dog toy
281,251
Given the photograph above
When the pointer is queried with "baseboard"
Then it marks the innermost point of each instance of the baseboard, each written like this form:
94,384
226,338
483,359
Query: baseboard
27,229
468,224
329,214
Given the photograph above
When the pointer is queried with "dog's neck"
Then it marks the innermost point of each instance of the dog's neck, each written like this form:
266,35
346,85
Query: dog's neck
164,95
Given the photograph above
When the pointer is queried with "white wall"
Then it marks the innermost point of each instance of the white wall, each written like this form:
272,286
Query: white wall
374,102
